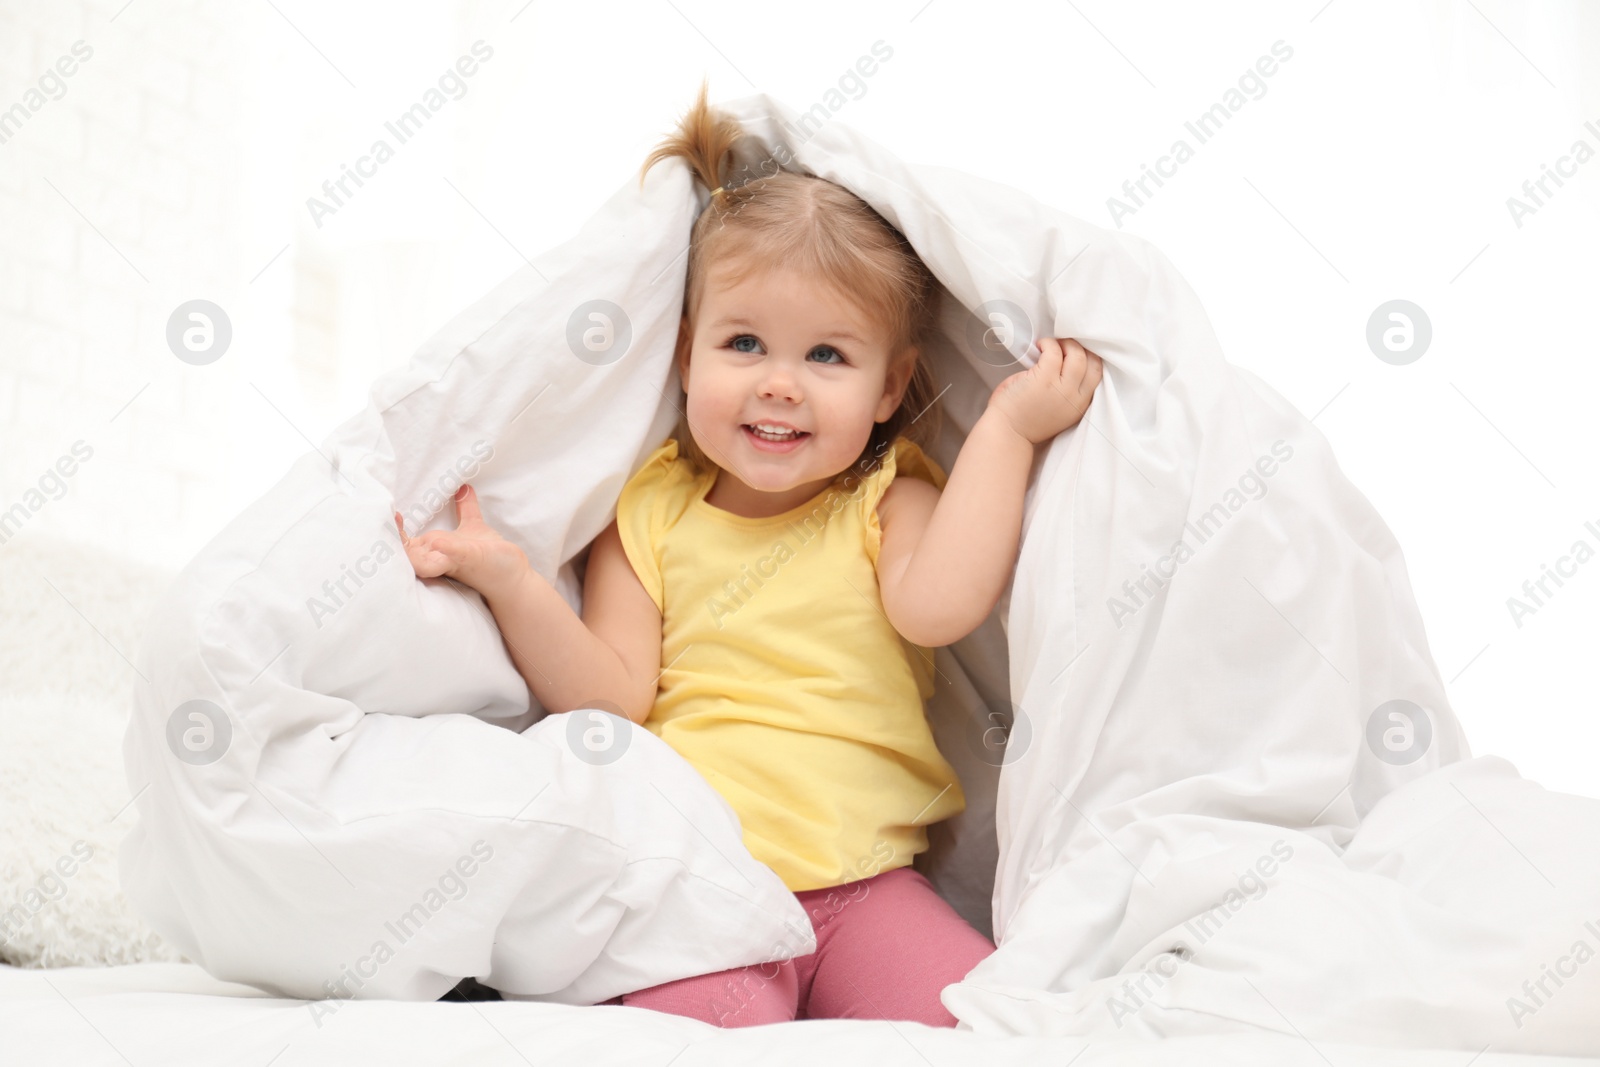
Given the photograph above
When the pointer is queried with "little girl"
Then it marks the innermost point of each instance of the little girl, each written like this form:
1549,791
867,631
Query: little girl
767,599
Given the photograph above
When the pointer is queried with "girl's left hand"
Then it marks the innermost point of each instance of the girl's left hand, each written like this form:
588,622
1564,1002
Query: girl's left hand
1053,394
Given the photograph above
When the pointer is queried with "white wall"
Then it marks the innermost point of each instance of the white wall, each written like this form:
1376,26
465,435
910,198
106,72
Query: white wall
1376,166
113,198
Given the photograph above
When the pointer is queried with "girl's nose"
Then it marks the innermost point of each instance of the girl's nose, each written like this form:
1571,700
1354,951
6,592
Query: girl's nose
778,381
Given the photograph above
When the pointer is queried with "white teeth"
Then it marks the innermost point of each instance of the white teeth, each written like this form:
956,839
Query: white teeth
772,433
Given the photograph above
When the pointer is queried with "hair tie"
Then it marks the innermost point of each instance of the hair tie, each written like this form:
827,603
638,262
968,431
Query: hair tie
717,190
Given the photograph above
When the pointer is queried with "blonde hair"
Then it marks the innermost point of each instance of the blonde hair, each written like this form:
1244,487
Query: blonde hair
820,228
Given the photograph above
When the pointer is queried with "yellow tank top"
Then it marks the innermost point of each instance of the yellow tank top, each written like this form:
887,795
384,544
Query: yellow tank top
782,680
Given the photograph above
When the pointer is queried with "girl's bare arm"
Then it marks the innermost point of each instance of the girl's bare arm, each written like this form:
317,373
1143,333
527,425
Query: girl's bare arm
611,654
945,558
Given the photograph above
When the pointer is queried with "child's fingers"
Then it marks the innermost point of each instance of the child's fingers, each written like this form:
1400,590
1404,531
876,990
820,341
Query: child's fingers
1089,372
431,554
1044,365
1081,379
1089,383
1072,361
1049,361
1094,373
467,506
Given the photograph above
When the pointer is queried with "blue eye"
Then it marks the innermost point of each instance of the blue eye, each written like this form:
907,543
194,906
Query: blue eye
736,343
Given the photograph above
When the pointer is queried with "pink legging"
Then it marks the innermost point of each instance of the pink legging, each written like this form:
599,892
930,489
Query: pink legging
886,946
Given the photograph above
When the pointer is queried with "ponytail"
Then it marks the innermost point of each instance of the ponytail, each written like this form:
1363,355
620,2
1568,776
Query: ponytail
704,139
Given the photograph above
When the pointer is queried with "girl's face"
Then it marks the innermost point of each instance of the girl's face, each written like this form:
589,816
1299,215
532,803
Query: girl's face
783,348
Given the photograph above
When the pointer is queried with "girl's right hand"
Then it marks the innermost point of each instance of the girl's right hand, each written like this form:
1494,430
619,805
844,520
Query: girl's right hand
473,553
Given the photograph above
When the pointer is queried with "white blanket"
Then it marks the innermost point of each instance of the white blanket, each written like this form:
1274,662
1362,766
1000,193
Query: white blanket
1235,796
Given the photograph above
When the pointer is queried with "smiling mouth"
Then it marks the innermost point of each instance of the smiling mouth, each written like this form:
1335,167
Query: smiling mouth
773,445
775,438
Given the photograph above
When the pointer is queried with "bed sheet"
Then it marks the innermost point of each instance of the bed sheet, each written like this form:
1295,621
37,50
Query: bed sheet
175,1014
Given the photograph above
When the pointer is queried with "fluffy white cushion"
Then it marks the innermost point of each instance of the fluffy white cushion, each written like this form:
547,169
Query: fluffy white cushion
71,614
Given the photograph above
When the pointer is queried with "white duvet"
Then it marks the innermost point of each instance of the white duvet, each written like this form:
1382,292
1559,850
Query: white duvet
1235,798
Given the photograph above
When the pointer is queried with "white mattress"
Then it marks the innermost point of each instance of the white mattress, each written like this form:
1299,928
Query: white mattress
174,1014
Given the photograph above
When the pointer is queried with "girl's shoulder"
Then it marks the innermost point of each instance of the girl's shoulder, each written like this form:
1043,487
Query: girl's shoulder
662,486
905,458
902,459
652,501
662,467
